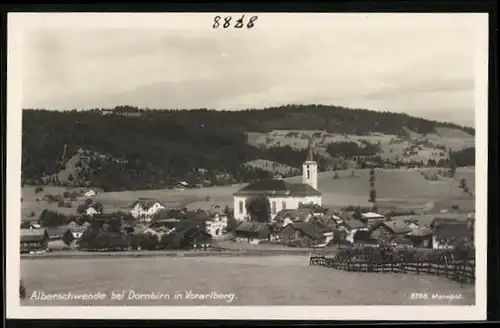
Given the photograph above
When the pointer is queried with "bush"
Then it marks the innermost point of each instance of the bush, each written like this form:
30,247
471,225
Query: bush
104,241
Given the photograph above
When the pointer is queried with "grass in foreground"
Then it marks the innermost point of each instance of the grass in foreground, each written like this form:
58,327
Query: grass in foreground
281,280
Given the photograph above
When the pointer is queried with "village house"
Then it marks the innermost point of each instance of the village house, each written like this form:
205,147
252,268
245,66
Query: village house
421,236
447,234
200,240
34,240
144,208
306,234
76,229
91,210
252,232
57,232
388,231
371,217
140,230
350,226
282,194
90,193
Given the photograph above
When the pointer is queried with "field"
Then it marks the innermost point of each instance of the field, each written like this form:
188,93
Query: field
283,280
401,188
391,146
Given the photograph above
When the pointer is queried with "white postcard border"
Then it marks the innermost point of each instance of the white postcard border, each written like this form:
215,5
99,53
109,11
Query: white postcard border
19,22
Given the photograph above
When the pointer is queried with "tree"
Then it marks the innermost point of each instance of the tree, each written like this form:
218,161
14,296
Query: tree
259,208
231,224
68,238
82,208
373,193
98,207
52,219
463,183
25,225
357,213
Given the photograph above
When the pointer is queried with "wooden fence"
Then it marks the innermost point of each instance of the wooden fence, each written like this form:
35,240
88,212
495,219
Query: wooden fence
460,271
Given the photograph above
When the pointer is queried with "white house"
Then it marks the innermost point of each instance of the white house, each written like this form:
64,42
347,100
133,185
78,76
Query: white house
282,194
91,211
216,228
372,216
76,229
145,208
90,193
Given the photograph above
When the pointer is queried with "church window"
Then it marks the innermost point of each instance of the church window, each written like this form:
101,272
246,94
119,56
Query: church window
283,205
274,207
308,173
241,207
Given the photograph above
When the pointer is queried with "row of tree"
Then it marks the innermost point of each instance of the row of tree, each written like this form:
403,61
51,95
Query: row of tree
160,148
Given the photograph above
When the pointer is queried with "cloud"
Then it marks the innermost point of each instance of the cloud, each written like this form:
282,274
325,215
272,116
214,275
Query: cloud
410,69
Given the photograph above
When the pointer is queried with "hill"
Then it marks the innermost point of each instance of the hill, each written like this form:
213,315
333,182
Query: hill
129,148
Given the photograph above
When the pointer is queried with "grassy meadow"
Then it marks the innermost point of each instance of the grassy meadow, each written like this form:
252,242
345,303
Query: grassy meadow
283,280
401,188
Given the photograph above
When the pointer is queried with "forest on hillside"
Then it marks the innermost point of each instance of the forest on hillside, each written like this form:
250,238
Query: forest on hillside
159,148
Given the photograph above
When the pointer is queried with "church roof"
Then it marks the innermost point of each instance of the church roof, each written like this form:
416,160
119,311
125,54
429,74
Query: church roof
310,157
274,187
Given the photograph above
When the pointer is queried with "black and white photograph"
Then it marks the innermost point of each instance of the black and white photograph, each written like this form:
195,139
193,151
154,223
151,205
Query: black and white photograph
247,165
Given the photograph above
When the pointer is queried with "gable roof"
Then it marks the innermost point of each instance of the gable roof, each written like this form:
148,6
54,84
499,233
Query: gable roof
310,157
430,219
28,235
352,223
252,226
371,215
313,229
453,230
303,213
275,187
56,231
281,215
420,232
397,227
145,203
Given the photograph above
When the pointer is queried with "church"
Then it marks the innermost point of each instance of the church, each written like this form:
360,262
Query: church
282,194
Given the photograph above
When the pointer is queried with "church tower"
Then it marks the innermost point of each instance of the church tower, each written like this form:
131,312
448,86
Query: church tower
310,168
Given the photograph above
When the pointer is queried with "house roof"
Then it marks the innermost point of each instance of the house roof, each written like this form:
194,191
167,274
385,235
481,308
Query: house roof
330,212
251,226
139,230
310,157
281,215
145,203
353,223
303,213
420,232
275,187
397,227
33,234
427,219
313,229
453,230
56,231
371,215
77,228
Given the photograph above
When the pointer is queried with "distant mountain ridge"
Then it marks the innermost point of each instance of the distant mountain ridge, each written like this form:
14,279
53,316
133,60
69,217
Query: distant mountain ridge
155,148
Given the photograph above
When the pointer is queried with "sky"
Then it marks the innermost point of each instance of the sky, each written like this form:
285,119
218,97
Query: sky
420,69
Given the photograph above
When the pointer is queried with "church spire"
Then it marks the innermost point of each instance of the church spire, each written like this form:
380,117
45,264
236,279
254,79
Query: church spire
310,157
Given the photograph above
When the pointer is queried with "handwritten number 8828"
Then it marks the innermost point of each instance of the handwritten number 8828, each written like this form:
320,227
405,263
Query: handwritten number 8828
239,22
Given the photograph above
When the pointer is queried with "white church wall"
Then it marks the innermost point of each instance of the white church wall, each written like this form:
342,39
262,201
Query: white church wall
310,174
277,204
240,211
